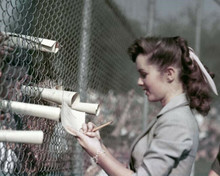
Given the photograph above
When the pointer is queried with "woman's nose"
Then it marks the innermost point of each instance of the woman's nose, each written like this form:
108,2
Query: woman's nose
140,82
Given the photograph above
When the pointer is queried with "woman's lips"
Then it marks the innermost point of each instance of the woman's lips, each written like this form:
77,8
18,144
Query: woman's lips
146,91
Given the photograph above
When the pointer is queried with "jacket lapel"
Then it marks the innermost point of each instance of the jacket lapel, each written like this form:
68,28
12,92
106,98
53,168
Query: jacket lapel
142,134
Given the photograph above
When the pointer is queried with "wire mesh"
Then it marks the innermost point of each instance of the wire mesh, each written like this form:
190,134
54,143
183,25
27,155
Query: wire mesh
93,38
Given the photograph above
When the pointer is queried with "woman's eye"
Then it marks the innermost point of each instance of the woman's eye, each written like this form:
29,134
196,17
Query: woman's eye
143,75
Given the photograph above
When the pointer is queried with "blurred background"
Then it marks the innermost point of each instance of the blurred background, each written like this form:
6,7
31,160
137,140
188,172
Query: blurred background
93,37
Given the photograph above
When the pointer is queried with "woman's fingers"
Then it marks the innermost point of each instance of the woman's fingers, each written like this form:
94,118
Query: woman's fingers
91,126
79,135
88,127
84,128
90,142
88,130
91,134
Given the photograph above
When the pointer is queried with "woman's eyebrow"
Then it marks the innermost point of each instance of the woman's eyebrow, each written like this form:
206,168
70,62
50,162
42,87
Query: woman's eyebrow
141,70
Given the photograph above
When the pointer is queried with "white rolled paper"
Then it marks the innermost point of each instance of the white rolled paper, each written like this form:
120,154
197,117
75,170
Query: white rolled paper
30,137
71,118
90,108
30,42
48,112
57,96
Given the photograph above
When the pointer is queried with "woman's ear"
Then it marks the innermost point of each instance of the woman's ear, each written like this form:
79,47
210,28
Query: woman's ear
171,74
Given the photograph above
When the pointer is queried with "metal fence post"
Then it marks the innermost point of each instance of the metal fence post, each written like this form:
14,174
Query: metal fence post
199,9
84,49
83,68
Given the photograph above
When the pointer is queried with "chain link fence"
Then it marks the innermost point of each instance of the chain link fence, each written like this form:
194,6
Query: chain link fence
93,38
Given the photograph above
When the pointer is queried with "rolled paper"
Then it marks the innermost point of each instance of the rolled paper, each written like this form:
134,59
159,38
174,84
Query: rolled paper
71,118
90,108
57,96
30,137
48,112
30,42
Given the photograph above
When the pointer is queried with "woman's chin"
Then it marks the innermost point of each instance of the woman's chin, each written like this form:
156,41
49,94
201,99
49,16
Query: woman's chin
151,99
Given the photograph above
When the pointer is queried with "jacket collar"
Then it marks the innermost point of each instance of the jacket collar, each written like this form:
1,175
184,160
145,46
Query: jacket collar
179,100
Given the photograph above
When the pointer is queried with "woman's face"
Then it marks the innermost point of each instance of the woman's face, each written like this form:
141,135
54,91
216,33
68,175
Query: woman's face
151,80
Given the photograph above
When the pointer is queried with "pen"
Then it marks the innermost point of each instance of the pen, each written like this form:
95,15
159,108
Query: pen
102,126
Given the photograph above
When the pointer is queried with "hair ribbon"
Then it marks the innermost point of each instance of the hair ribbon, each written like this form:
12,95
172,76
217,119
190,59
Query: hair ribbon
206,75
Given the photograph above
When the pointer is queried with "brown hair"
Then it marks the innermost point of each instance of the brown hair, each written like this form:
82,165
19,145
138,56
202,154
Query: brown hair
174,51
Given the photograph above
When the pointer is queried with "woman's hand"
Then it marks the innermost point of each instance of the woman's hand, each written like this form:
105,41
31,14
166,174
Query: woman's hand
88,139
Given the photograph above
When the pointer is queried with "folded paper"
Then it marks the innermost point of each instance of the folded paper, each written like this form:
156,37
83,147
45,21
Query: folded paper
71,118
30,137
30,42
54,95
48,112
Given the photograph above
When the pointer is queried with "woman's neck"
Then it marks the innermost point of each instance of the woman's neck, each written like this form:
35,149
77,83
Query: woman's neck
171,93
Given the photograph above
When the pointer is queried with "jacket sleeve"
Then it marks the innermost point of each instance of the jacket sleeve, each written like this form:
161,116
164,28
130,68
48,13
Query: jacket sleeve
172,140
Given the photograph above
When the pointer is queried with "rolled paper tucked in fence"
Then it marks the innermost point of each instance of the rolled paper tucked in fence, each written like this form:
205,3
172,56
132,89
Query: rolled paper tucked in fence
30,42
71,118
57,96
90,108
48,112
30,137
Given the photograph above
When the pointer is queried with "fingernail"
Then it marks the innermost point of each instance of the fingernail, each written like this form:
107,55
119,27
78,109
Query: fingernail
89,133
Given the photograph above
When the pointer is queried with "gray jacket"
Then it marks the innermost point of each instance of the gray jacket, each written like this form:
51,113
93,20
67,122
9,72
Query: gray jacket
169,145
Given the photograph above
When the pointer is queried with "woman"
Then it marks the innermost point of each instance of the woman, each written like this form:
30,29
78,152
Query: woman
169,73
